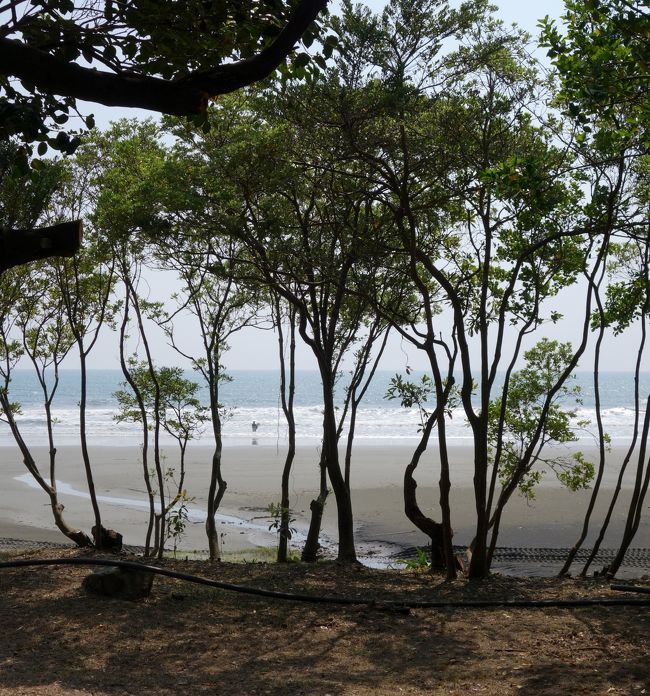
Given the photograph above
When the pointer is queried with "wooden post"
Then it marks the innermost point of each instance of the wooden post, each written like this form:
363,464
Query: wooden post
22,246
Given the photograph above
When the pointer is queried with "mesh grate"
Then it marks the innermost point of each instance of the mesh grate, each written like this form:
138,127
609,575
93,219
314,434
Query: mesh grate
634,558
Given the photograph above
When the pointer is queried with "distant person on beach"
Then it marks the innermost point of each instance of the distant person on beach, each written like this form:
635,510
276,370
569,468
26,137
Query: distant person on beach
254,426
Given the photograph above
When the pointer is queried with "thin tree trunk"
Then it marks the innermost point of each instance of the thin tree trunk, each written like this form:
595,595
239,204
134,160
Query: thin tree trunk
601,447
630,451
84,448
356,400
218,486
143,413
287,407
79,537
638,497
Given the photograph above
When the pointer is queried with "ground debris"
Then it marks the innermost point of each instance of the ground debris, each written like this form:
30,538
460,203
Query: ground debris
60,641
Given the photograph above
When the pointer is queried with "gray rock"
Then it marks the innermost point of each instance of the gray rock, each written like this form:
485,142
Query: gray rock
121,583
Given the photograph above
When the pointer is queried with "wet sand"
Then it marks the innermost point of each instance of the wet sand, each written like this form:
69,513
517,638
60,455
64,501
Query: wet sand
553,519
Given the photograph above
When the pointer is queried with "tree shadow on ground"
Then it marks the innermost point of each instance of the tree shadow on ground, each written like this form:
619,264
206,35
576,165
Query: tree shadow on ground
191,639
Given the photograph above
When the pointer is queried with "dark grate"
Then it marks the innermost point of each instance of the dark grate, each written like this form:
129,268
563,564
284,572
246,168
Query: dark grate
634,558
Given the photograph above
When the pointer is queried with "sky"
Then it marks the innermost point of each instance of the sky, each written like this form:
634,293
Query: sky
253,349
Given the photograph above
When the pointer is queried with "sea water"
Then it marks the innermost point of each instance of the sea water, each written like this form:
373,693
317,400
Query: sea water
255,396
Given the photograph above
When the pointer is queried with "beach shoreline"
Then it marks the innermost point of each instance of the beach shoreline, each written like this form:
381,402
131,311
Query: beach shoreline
253,476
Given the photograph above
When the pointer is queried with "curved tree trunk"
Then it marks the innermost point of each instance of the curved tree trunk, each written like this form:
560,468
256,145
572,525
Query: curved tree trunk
317,506
79,537
287,407
84,449
216,492
639,493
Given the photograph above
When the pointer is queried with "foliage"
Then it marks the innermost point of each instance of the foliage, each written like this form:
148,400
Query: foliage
418,394
163,55
421,183
420,562
177,519
25,194
535,417
277,512
180,411
601,55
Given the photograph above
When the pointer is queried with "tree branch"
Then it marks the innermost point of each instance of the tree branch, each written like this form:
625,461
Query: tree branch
185,97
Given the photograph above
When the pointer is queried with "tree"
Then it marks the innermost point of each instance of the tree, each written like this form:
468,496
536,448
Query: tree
25,306
312,236
221,307
164,56
149,212
284,320
31,316
85,285
161,398
486,207
601,56
124,166
624,303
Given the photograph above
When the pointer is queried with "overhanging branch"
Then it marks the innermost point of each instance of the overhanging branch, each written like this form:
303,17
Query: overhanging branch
185,97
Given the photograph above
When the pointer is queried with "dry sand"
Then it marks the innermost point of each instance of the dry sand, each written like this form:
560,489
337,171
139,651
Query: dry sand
253,476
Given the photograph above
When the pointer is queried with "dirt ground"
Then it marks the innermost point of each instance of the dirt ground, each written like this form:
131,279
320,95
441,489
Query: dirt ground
57,639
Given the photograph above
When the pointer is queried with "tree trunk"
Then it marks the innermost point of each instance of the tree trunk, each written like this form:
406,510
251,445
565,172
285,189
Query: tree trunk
317,506
434,530
479,567
346,552
215,495
287,407
130,293
84,446
638,497
79,537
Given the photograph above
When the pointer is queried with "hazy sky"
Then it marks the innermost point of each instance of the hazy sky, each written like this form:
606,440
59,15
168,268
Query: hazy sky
253,349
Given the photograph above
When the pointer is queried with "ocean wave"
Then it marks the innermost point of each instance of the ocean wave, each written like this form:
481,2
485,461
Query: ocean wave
374,423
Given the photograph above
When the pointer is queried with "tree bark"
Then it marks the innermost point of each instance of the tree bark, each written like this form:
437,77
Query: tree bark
84,445
287,407
317,506
18,247
218,486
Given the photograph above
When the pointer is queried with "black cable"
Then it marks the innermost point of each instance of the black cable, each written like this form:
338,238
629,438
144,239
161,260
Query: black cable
319,599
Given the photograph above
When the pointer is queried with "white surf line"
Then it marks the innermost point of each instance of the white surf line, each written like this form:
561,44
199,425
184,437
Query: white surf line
194,514
198,515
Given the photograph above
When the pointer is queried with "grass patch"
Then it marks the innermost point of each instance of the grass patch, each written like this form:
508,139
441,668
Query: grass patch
259,554
9,554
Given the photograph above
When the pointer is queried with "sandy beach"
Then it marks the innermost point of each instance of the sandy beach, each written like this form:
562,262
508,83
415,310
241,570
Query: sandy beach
253,476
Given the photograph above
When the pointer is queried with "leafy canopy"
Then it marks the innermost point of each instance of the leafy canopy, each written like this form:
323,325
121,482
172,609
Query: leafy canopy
161,55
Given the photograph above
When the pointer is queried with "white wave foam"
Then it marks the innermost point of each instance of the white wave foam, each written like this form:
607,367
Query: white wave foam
373,424
195,515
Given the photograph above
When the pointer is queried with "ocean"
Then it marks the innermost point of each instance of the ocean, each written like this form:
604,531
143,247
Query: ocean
254,396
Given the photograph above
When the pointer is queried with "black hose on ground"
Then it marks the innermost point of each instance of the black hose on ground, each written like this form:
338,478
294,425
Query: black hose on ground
319,599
